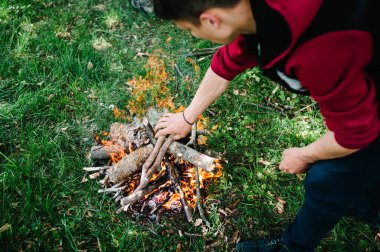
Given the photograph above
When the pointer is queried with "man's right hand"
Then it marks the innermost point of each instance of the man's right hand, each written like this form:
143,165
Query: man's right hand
173,124
212,86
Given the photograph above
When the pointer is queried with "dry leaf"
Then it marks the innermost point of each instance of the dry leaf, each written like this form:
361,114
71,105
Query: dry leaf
90,65
202,140
63,34
198,222
222,212
280,206
244,93
179,247
92,96
5,227
101,44
262,161
235,238
204,230
100,7
236,92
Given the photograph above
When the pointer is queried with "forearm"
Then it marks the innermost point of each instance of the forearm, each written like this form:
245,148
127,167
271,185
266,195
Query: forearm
326,148
211,87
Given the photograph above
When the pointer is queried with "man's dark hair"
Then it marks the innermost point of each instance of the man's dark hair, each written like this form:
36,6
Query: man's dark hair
188,10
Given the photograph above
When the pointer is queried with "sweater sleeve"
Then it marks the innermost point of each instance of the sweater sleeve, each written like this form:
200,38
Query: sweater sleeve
232,59
332,67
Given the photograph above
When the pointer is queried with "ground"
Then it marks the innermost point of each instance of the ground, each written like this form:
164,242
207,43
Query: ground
64,68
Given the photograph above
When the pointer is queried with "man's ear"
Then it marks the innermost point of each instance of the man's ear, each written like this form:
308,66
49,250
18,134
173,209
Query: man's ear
207,18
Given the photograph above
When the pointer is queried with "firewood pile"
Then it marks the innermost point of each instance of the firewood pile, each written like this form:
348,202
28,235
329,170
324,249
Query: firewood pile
149,175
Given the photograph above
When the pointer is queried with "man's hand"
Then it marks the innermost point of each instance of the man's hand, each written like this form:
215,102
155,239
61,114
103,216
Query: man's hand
212,86
294,161
298,160
173,124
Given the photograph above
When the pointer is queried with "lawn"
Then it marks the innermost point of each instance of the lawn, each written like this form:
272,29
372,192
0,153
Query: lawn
64,68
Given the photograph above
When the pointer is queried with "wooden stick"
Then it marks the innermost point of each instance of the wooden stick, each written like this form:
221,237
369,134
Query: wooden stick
160,157
144,180
137,195
93,169
192,156
198,204
104,152
109,190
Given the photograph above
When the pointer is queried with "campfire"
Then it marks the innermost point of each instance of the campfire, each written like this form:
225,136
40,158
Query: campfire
148,175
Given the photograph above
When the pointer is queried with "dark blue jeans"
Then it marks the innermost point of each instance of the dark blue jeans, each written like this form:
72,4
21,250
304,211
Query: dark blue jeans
331,187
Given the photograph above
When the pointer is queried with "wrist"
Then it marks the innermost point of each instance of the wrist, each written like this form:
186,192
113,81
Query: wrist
189,116
184,118
308,154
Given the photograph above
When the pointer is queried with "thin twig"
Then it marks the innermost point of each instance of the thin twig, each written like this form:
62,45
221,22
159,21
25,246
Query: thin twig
199,199
193,136
92,169
153,156
159,157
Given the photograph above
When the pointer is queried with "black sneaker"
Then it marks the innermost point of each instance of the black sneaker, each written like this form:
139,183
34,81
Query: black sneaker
274,245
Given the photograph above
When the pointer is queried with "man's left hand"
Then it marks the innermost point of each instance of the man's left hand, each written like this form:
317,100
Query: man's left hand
294,161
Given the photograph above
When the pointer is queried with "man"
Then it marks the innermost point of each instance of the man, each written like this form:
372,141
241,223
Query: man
326,49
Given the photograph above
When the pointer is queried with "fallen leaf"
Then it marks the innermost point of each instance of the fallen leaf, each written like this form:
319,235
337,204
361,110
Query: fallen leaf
235,238
198,222
262,161
236,92
63,34
100,7
101,44
222,212
280,206
244,93
202,140
5,227
92,96
179,247
90,65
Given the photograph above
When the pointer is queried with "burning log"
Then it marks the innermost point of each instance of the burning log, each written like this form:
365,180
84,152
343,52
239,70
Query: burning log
192,156
104,152
129,164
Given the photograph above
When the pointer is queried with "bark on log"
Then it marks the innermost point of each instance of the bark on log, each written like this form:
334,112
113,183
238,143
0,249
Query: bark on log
130,133
129,164
104,152
192,156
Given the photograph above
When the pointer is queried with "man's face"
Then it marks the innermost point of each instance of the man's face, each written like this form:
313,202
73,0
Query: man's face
223,35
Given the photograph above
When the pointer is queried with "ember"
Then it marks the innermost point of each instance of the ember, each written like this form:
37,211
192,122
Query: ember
141,175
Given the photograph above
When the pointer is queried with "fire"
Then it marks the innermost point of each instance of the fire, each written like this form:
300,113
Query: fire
166,196
174,203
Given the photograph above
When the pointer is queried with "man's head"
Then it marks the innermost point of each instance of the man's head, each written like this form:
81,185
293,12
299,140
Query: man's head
188,10
220,21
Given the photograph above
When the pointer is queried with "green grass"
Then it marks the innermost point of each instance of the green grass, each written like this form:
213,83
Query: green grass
48,124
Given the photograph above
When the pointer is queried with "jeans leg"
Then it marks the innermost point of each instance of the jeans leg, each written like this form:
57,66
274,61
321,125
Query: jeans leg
330,188
367,206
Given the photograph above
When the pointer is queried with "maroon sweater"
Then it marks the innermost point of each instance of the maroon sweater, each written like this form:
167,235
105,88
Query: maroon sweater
316,47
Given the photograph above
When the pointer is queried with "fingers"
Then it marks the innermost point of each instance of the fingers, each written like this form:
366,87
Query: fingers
162,132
